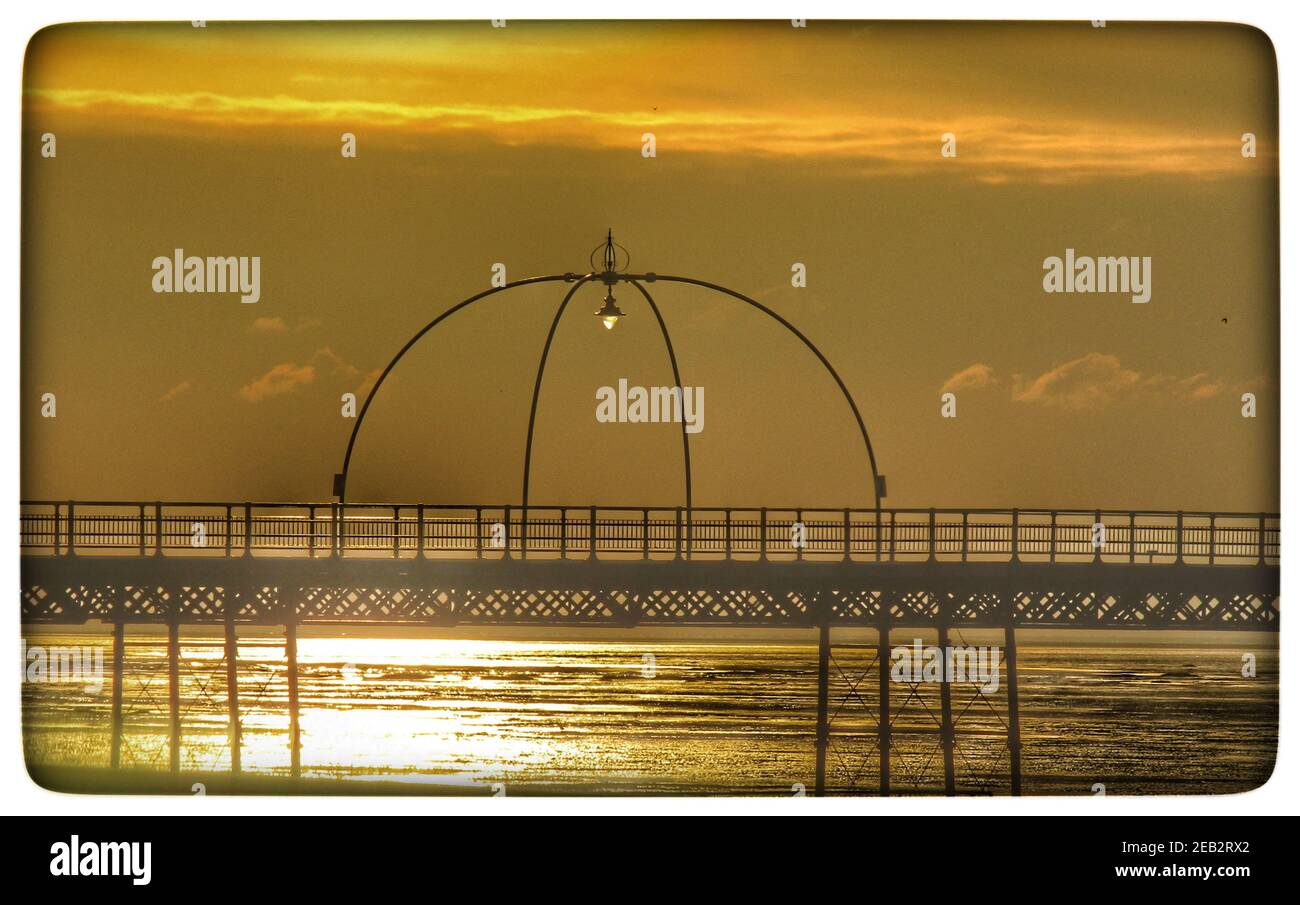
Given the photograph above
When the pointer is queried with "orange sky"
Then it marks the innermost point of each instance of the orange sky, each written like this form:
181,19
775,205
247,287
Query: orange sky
521,145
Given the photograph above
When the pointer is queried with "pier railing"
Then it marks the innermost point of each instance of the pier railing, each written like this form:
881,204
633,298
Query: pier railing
63,528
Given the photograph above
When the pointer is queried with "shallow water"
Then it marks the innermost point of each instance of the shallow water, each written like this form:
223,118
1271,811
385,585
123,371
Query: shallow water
670,717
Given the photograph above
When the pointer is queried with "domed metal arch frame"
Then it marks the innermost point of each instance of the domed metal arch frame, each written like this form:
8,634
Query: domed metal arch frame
610,278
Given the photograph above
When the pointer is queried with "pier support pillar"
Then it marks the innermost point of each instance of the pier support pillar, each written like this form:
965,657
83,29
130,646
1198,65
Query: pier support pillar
947,736
882,661
823,705
174,692
119,654
295,738
232,692
1013,707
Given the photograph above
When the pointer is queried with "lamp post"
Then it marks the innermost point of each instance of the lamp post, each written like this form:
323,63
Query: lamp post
609,313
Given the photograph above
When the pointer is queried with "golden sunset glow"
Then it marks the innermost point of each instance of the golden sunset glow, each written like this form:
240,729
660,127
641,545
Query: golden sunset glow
964,299
522,145
759,98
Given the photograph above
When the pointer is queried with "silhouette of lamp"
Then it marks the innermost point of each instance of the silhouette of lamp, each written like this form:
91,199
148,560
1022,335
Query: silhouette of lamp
609,312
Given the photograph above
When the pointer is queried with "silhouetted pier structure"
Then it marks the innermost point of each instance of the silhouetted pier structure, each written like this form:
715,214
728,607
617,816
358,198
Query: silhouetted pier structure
881,570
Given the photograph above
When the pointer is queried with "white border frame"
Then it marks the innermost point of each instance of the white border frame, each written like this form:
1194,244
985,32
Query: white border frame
1281,795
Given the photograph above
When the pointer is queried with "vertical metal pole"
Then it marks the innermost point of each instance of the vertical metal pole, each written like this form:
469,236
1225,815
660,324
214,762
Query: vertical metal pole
1013,707
174,692
119,652
848,539
882,660
1096,520
690,530
879,539
946,733
232,692
295,737
823,704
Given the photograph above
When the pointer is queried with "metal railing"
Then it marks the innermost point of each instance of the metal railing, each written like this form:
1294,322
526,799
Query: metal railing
65,528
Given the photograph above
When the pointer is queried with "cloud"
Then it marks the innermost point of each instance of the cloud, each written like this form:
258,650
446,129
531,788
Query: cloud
1096,380
281,379
367,382
977,377
267,325
336,364
996,148
179,390
289,377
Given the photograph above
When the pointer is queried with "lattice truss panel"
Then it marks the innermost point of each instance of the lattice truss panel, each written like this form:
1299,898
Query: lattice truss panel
741,607
373,604
1162,609
76,604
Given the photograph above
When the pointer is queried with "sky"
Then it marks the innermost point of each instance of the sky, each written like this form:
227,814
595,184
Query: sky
774,146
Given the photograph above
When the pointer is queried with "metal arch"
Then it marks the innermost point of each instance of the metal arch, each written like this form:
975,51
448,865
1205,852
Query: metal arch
537,387
677,382
848,397
356,427
541,368
365,407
